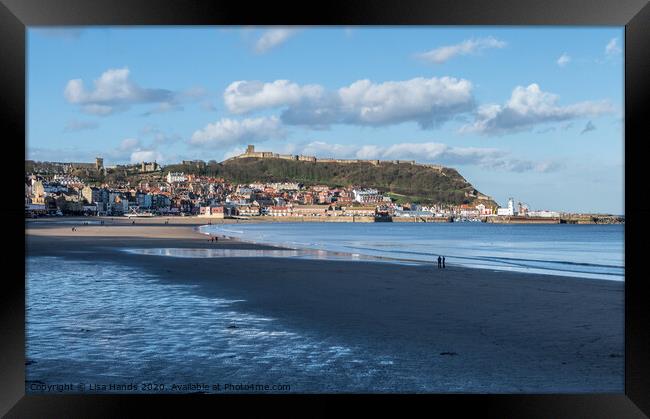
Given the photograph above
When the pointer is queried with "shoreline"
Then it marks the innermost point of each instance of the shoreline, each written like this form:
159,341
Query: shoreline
198,222
194,219
405,260
510,332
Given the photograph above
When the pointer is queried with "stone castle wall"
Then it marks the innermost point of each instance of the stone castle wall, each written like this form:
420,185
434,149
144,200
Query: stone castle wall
251,153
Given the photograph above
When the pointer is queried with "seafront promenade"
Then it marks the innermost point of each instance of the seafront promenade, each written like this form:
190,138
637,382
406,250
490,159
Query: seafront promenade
200,220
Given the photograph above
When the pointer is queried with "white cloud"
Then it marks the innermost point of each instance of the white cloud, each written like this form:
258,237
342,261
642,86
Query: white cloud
428,102
77,125
470,46
245,96
146,155
228,132
612,47
563,60
135,150
113,88
432,152
527,107
272,38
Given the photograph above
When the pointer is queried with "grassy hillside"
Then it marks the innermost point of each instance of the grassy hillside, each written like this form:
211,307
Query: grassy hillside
406,182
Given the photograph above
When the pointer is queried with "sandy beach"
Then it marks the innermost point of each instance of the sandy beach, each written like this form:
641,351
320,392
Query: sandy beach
503,331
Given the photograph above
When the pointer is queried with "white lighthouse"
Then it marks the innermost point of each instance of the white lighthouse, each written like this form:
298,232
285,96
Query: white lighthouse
510,210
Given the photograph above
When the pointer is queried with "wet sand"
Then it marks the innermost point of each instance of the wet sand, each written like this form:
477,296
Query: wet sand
492,331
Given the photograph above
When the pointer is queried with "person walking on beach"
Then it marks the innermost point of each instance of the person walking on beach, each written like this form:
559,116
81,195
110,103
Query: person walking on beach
443,262
439,262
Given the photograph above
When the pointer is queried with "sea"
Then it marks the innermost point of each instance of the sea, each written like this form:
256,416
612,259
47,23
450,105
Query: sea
578,250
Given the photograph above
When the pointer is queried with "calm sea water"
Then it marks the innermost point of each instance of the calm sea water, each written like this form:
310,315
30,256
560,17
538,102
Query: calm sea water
94,324
588,251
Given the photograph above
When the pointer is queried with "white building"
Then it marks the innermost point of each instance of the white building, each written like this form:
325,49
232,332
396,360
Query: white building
367,196
173,177
544,213
285,186
66,180
510,210
244,190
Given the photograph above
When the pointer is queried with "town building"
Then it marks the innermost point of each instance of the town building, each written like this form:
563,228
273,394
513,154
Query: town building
278,211
366,211
176,177
212,211
251,210
310,210
509,210
149,167
544,214
367,196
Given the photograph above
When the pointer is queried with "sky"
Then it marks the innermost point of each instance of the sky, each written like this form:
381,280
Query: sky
533,113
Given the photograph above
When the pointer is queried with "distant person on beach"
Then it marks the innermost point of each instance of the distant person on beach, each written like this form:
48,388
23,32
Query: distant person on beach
443,262
439,262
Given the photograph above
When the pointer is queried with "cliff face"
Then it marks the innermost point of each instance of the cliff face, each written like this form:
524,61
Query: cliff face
404,182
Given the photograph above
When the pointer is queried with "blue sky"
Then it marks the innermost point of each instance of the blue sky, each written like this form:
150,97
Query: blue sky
534,113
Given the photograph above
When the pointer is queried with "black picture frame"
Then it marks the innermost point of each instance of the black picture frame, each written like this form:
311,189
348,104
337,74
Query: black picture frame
16,15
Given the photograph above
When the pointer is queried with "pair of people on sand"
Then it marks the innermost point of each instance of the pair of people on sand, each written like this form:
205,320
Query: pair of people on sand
441,262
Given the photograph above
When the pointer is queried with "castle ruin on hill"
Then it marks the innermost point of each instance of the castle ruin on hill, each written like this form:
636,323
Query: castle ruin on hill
251,153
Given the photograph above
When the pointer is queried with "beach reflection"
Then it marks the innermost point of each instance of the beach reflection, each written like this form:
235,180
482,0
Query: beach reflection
275,253
108,324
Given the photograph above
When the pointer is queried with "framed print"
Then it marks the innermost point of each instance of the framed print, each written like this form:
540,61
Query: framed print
387,199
